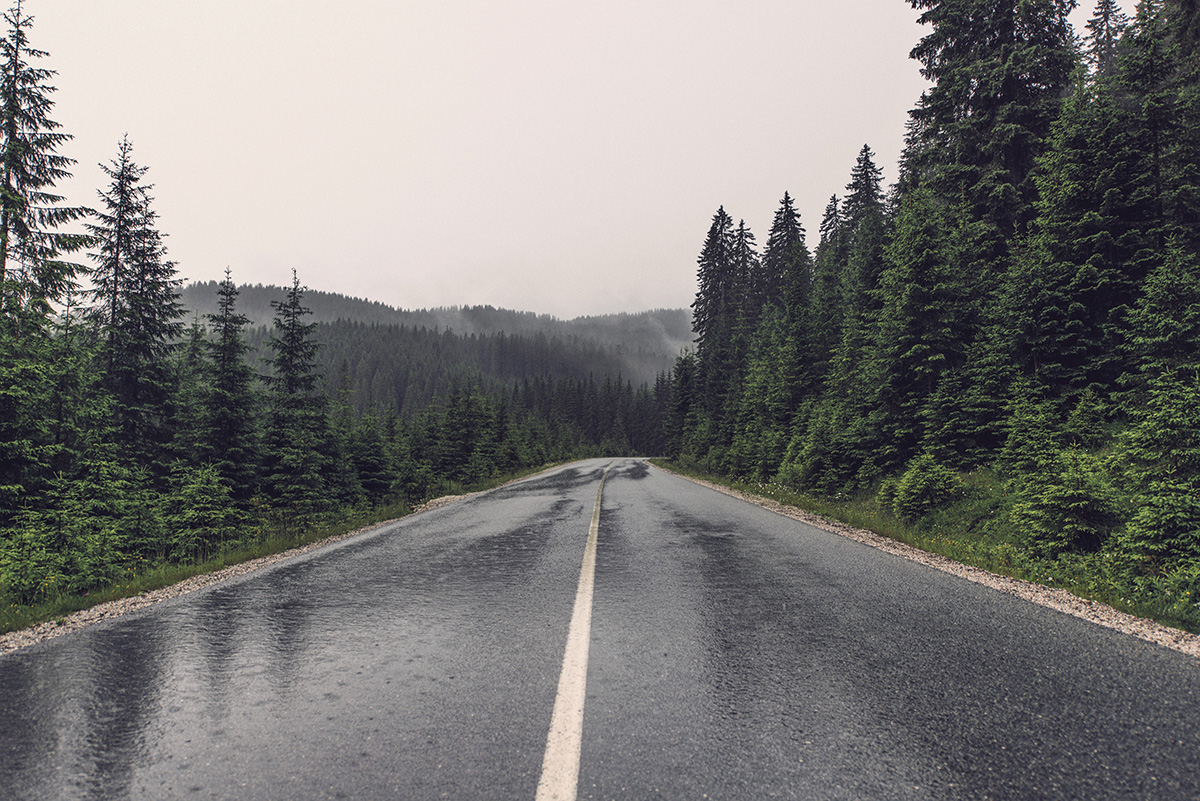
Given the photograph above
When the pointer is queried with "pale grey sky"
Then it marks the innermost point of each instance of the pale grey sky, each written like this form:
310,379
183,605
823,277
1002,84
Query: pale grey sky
544,155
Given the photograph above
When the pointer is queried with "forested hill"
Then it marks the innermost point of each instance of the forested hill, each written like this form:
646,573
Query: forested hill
638,345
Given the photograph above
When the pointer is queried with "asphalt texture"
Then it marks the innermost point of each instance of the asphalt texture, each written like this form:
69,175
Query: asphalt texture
734,654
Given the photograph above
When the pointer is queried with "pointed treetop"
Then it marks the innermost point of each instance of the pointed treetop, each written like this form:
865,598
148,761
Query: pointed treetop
1105,27
831,221
864,193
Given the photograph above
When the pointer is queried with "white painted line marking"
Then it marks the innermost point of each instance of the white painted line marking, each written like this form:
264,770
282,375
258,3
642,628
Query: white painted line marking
560,765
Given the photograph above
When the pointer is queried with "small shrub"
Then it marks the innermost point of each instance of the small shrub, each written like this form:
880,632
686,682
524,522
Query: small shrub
886,496
925,486
1075,510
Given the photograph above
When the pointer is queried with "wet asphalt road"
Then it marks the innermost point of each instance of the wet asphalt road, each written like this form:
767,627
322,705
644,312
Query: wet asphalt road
734,654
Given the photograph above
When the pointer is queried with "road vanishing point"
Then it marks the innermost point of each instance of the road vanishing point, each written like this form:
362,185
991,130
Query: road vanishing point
605,630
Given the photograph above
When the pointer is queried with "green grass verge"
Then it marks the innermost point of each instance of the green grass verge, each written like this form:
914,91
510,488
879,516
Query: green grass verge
14,617
975,530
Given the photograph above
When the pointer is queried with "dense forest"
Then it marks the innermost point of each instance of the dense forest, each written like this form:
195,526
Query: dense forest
137,430
1015,322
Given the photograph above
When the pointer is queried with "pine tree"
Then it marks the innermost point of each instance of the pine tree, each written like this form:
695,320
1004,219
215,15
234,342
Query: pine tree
200,513
999,70
828,309
297,422
1162,448
370,458
138,308
765,401
714,283
786,258
744,313
33,273
918,336
1165,324
718,307
864,193
1104,30
229,438
785,277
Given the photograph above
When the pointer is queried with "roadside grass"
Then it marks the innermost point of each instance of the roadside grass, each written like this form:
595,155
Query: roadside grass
268,542
976,530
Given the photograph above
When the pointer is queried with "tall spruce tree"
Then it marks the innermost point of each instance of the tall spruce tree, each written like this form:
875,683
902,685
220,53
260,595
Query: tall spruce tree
917,336
1104,31
785,278
786,259
828,307
137,307
714,311
33,273
229,430
297,422
33,270
999,70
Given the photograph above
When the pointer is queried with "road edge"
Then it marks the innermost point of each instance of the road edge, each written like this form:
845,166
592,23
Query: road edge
1059,600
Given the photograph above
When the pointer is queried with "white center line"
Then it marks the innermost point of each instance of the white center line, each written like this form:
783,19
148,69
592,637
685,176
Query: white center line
560,765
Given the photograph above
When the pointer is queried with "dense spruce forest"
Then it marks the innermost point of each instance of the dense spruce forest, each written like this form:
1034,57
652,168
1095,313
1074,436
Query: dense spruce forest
1008,339
138,430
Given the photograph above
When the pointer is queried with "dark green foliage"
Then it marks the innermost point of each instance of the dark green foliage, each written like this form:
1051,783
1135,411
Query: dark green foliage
199,514
999,71
1104,31
918,336
827,304
1162,449
717,310
371,462
716,284
785,277
1074,508
33,274
1085,426
137,309
1164,327
924,486
229,431
766,402
297,426
1032,443
26,445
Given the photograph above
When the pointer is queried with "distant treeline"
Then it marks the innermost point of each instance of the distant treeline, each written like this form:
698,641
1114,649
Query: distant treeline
640,346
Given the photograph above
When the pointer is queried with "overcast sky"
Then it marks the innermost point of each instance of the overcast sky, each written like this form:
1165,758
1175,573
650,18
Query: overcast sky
562,157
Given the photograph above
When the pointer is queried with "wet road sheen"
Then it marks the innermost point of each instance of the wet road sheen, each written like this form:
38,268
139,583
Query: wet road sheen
733,654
